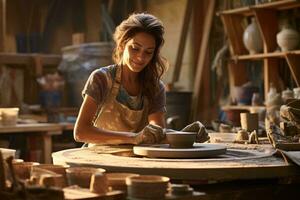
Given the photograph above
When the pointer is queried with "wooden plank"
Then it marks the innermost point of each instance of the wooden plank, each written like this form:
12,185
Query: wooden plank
268,25
93,20
2,24
203,52
234,30
264,55
279,5
237,75
26,59
271,75
27,128
293,61
182,42
239,107
47,148
288,146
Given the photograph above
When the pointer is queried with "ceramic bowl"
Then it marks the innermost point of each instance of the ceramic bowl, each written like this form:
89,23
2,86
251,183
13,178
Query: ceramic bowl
179,139
81,176
147,186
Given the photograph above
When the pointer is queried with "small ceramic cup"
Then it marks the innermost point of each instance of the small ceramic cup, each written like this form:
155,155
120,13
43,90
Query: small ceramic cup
98,183
147,186
81,176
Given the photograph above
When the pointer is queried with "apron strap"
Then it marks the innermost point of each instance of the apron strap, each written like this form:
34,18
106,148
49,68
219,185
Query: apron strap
117,81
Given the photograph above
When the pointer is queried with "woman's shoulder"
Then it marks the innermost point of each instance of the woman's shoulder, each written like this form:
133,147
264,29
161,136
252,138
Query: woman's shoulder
161,85
108,70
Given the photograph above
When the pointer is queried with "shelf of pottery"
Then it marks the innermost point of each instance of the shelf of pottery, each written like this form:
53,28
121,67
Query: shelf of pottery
268,32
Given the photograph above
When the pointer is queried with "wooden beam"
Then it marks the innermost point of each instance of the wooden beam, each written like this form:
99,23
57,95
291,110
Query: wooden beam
293,61
268,26
201,59
271,75
234,33
237,75
182,42
2,25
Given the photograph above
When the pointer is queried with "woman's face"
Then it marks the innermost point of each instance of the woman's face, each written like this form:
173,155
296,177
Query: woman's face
138,51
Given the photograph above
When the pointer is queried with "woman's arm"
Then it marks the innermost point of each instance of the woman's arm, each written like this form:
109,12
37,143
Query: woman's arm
157,118
84,131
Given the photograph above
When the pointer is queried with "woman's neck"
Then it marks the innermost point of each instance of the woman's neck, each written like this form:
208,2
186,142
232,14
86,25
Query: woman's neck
130,81
129,76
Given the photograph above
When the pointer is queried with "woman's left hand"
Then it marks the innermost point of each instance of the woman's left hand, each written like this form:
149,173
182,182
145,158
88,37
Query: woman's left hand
151,134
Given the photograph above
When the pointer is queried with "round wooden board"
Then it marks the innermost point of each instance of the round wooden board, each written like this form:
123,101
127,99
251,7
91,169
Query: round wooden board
199,150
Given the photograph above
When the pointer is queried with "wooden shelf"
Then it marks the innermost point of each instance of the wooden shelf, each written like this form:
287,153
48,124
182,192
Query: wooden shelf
242,107
267,17
264,55
277,5
27,59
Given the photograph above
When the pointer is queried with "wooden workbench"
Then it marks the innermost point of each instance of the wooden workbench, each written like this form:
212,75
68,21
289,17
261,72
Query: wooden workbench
257,164
45,130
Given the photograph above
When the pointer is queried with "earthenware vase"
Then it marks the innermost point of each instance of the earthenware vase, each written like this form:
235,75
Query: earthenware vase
252,38
287,38
296,93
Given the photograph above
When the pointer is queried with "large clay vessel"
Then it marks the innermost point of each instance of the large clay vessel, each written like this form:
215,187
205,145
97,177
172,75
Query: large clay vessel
287,38
252,38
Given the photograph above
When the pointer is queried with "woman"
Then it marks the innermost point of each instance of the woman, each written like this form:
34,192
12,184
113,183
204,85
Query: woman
125,102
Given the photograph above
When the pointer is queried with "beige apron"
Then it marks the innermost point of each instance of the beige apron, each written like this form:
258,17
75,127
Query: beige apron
118,117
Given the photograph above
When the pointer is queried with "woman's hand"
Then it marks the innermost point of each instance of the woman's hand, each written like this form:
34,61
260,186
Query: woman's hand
151,134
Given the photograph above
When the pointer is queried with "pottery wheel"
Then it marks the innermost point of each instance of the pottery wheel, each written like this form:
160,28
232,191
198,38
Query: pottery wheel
199,150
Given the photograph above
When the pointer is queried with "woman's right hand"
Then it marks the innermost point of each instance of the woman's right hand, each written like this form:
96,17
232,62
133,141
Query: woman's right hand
151,134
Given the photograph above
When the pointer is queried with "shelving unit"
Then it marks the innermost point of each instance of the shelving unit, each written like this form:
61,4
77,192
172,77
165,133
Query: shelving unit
33,66
26,59
267,18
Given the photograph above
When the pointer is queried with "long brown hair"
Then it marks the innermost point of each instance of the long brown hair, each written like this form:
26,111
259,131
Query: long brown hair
149,77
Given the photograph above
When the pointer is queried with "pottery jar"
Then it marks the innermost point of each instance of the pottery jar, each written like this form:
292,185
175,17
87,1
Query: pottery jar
296,93
287,38
252,38
287,94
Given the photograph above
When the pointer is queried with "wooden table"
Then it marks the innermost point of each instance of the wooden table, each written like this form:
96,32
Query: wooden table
46,130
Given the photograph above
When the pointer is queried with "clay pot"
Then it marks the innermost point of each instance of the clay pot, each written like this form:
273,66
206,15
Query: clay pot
233,116
52,180
23,169
296,93
98,183
42,169
180,139
256,100
249,121
81,176
243,94
242,135
147,186
9,116
287,94
252,38
287,38
181,190
117,181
